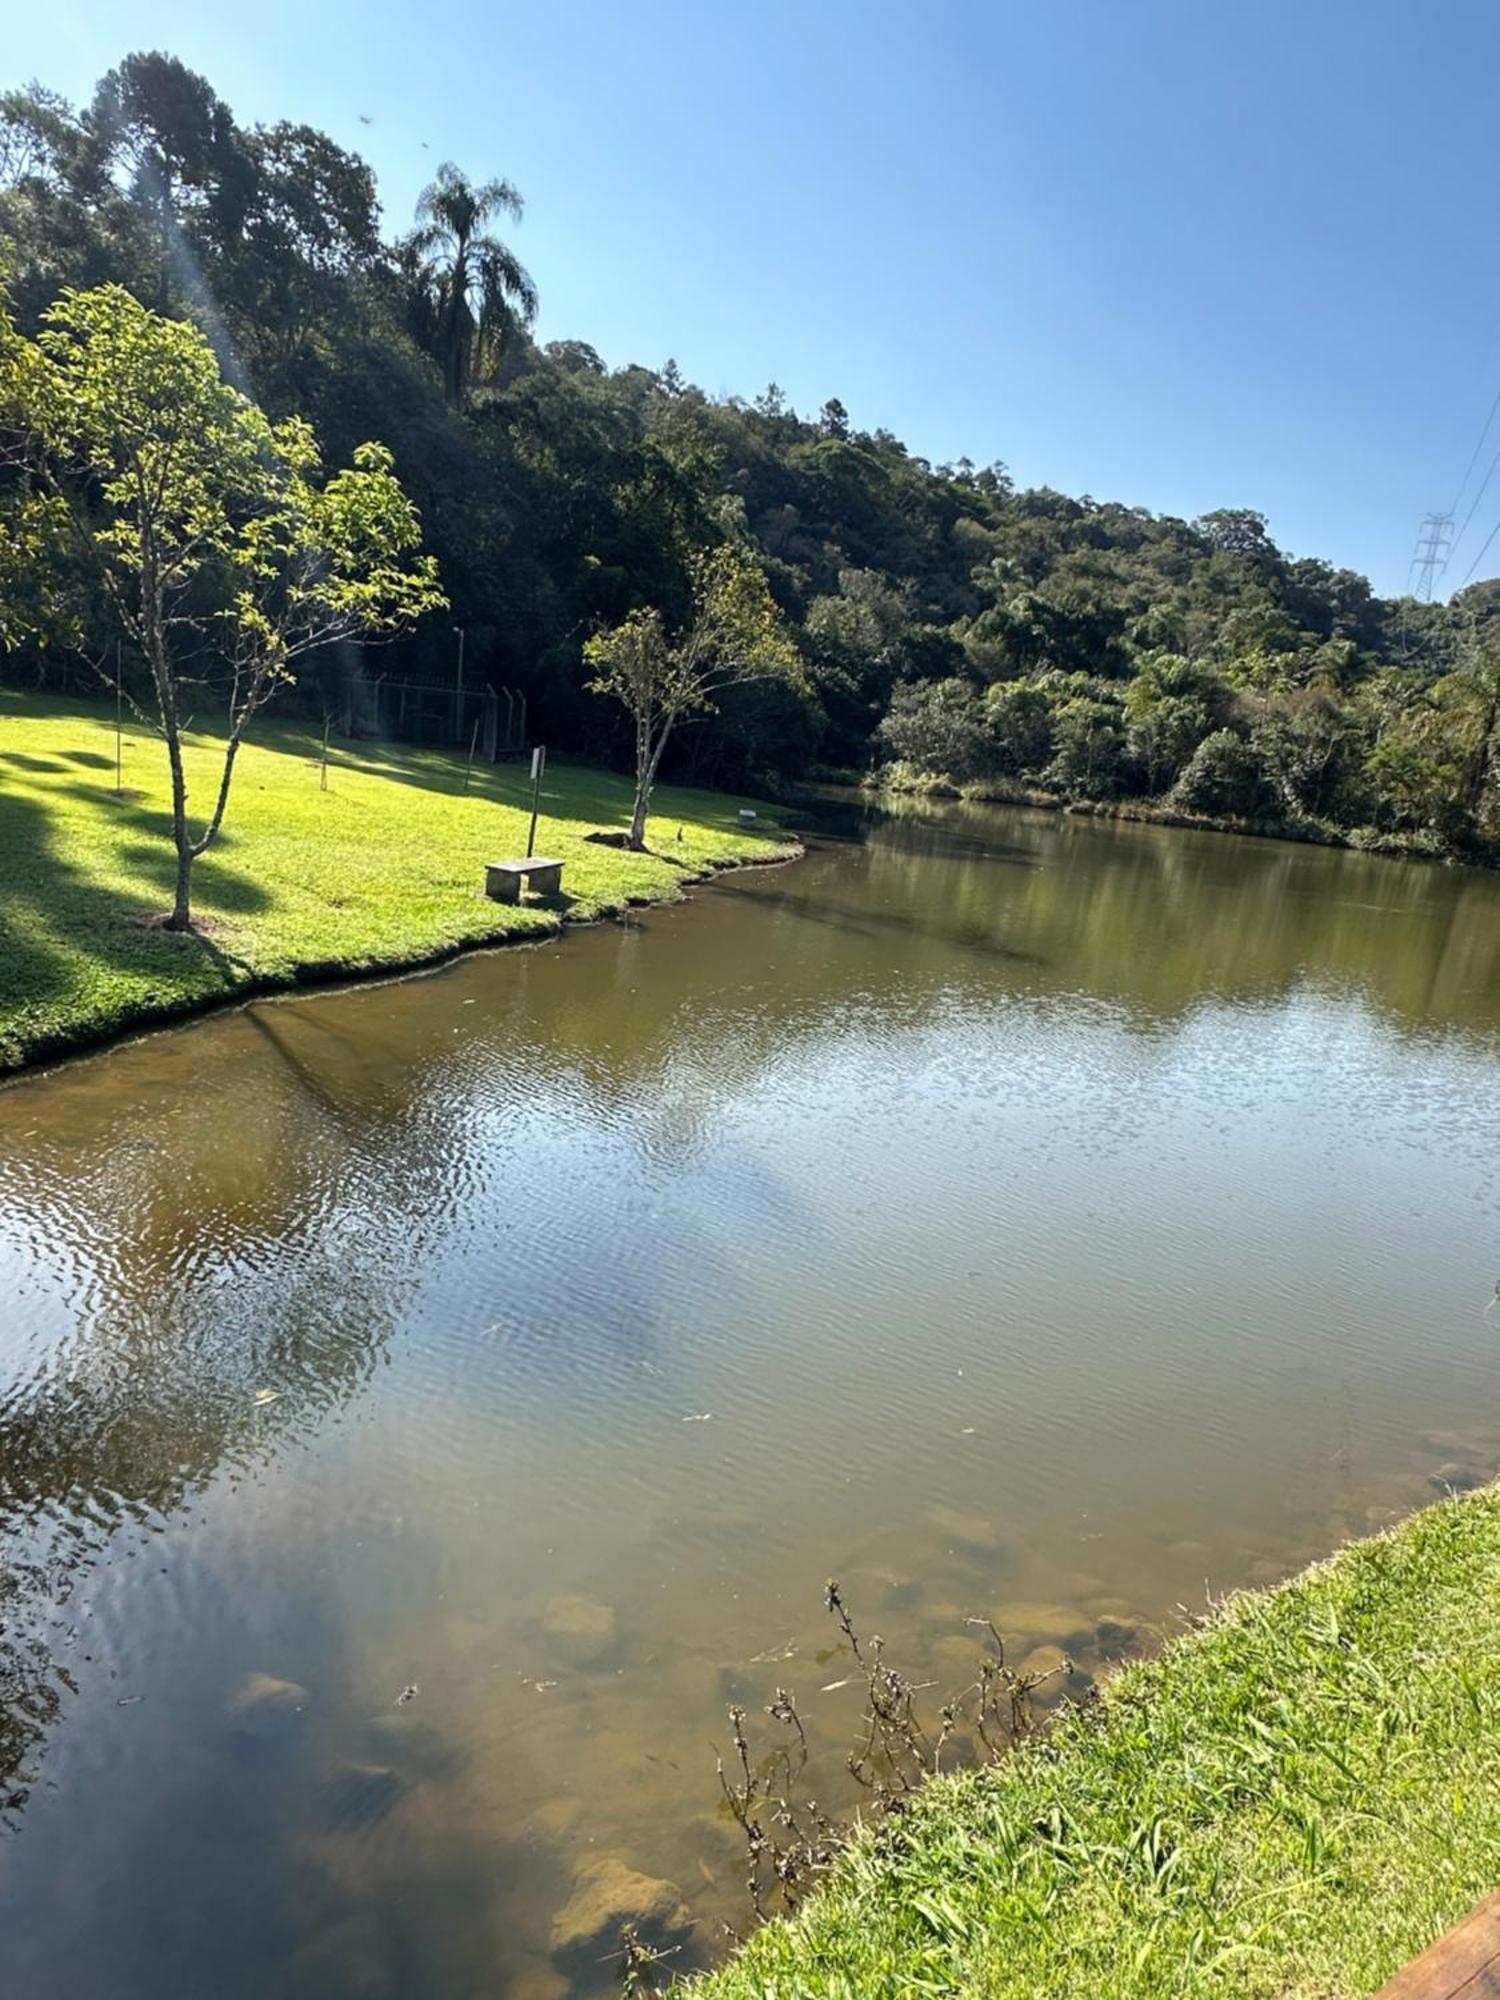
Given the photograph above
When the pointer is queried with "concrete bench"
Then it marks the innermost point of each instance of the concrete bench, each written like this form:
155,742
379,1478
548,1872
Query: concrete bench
503,880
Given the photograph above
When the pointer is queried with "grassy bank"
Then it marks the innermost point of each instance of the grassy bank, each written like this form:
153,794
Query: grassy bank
1291,1801
905,779
383,869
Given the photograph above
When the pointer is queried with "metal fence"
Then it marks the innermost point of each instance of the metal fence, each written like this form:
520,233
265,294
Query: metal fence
433,716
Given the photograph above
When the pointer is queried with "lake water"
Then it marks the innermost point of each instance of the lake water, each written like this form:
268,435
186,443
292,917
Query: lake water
1008,1213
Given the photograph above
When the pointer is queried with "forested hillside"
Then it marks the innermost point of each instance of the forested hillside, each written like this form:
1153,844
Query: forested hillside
947,622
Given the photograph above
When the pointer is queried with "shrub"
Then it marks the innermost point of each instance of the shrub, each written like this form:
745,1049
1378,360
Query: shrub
937,726
1019,720
1088,747
1227,776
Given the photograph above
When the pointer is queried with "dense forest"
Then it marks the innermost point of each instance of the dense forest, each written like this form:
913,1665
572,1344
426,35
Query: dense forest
946,624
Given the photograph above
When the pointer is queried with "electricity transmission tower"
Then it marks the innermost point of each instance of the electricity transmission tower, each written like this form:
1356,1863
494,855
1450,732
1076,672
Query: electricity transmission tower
1431,558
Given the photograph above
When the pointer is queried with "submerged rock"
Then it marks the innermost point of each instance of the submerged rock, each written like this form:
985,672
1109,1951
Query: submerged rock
580,1631
1456,1478
1270,1569
606,1896
1116,1637
872,1588
262,1705
1027,1620
962,1529
956,1658
1045,1660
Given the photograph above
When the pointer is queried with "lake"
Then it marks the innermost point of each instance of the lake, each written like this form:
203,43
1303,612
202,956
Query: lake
423,1408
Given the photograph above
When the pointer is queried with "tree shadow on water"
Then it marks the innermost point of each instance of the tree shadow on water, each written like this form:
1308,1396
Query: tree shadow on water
880,925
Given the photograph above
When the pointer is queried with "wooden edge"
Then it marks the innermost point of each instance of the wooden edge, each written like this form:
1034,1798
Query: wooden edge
1464,1962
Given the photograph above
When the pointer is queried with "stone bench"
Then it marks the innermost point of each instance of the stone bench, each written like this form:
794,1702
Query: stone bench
503,880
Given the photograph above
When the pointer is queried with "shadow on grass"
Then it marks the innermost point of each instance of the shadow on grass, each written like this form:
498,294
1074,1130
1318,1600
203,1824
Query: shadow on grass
75,958
599,803
212,881
559,903
24,761
577,794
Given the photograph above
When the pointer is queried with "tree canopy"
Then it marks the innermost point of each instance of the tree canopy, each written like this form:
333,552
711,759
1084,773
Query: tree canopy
946,621
142,482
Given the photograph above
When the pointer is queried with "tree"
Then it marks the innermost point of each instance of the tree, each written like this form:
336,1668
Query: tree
165,129
1018,717
221,552
1226,776
311,222
938,727
1309,742
732,635
833,419
1469,701
1088,746
1170,707
854,643
469,290
567,491
1240,532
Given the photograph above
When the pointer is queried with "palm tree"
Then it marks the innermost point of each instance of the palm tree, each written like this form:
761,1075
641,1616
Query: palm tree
469,291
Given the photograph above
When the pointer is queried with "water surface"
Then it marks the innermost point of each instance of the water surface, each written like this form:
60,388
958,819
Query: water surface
1005,1212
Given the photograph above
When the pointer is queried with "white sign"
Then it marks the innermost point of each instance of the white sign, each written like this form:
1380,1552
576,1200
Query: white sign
538,763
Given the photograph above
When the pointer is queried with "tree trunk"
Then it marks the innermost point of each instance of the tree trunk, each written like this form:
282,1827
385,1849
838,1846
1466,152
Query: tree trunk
645,767
181,918
638,814
231,751
647,759
153,640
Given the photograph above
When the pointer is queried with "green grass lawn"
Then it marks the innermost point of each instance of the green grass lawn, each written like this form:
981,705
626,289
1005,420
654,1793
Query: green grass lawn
1292,1801
384,869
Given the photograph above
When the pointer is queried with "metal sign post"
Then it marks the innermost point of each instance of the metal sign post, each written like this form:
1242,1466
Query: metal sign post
538,765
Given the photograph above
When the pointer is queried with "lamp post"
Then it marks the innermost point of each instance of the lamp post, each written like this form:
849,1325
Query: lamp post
458,694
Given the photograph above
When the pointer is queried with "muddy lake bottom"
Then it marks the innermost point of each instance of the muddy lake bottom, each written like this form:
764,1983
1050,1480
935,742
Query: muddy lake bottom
424,1409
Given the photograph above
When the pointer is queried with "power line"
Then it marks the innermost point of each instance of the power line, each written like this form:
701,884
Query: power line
1474,503
1482,553
1474,455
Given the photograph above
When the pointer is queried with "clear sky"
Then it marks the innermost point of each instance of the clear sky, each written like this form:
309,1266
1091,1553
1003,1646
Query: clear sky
1179,253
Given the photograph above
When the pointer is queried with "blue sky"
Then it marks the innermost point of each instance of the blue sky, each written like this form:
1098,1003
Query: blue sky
1180,253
